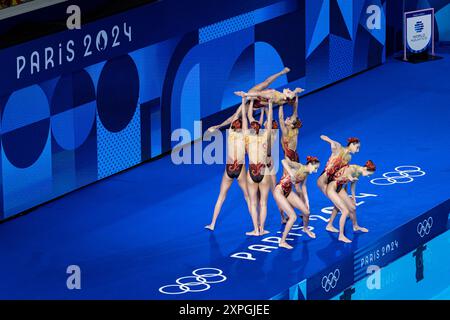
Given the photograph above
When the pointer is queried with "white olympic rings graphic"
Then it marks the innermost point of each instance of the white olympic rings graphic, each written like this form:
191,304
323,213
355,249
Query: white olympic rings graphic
424,228
200,280
330,281
402,174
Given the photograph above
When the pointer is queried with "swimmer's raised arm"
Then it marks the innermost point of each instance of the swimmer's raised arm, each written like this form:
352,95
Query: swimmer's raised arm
261,116
228,121
244,115
295,112
334,144
281,120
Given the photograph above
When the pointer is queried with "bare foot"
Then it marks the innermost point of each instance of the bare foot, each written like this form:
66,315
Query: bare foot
285,245
263,232
210,227
309,233
344,239
285,70
331,228
362,229
253,233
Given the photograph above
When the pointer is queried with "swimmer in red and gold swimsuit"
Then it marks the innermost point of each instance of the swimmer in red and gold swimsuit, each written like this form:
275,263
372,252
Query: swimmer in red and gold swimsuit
234,168
289,138
261,98
289,129
340,157
295,173
257,104
258,145
337,193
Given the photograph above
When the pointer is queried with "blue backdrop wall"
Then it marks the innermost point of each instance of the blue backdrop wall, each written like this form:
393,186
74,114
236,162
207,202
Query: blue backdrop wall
81,105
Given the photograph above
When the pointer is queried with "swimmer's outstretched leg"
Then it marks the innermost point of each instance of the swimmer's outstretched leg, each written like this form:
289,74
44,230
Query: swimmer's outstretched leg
224,187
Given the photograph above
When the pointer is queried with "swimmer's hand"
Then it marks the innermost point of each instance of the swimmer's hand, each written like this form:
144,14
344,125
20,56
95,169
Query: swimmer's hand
212,129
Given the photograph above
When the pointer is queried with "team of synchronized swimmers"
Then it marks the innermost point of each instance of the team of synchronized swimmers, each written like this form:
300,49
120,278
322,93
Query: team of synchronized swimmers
245,137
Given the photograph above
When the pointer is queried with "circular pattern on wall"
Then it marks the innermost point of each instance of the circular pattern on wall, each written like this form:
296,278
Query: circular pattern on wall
73,109
25,126
118,93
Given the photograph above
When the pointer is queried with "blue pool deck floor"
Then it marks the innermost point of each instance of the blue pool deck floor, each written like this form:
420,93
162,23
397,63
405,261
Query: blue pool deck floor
143,229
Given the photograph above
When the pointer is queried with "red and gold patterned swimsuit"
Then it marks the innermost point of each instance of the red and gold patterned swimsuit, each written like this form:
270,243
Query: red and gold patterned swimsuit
234,169
336,162
288,152
278,98
256,171
343,175
286,180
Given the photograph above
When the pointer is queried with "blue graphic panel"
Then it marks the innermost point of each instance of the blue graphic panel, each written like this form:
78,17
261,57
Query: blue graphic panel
25,126
322,27
155,120
220,29
317,66
118,150
25,107
73,109
71,128
117,96
341,58
152,63
190,101
24,188
94,72
235,71
443,21
268,62
241,76
246,20
346,8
